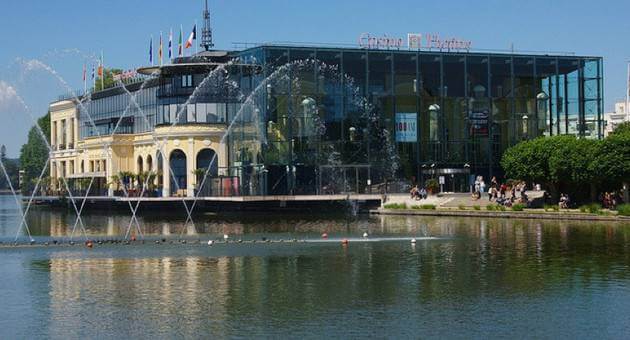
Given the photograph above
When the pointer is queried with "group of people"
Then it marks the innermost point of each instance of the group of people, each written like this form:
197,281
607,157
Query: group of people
609,200
418,193
497,192
565,201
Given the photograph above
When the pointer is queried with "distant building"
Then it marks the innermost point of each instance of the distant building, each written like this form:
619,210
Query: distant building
613,119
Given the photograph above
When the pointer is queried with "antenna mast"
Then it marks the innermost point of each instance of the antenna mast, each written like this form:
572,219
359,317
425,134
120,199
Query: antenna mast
206,34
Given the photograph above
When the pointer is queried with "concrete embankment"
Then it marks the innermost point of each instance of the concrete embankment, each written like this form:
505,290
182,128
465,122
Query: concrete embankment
503,214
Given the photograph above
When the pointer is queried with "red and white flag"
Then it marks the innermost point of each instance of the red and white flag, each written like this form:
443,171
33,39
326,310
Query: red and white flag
193,36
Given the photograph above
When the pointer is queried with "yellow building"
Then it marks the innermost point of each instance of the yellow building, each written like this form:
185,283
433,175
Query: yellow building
108,157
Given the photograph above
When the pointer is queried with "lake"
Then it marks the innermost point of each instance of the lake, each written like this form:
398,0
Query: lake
464,278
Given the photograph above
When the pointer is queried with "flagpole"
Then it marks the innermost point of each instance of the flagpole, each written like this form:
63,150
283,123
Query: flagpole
103,71
196,45
84,78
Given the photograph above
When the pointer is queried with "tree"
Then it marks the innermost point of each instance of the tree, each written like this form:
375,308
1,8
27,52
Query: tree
557,162
612,163
108,78
12,167
623,128
34,154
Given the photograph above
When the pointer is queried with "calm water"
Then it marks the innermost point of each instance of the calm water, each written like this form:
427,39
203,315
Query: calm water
478,278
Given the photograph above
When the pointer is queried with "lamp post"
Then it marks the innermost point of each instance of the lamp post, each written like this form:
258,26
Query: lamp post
525,119
352,133
542,100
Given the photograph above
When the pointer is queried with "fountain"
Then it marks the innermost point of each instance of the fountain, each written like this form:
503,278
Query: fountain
285,77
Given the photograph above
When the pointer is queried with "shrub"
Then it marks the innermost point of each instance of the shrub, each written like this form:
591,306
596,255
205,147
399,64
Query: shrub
549,207
501,207
462,207
476,207
432,185
592,208
490,207
428,206
396,206
518,207
623,209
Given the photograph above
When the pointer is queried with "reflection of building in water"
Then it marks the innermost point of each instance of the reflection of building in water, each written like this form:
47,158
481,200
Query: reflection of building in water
92,291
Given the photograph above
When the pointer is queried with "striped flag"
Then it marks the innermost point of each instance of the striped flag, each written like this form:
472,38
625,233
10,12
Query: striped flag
191,37
180,46
160,50
170,44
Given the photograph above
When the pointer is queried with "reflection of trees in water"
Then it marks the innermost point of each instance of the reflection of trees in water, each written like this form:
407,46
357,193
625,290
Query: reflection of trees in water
248,288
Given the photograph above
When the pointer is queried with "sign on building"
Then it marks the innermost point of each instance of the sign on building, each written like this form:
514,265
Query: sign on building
406,127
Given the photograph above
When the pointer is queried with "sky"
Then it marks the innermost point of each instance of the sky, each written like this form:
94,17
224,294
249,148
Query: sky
65,33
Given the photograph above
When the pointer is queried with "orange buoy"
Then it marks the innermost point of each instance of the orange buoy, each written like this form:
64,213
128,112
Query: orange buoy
133,238
89,244
344,241
324,235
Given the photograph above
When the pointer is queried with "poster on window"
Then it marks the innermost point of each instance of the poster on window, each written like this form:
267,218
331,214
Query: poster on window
478,122
406,129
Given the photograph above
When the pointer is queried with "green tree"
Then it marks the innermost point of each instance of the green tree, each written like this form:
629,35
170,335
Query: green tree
34,154
108,79
623,128
612,163
12,167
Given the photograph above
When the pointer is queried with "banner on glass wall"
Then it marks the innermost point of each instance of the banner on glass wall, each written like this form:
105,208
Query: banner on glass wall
478,123
406,129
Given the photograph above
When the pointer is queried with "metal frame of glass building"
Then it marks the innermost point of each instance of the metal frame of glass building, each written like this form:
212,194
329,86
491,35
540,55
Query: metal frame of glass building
468,107
449,114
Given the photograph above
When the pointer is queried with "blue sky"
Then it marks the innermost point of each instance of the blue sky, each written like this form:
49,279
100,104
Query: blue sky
51,30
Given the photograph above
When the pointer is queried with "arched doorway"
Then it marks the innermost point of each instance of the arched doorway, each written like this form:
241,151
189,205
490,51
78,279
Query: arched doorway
177,162
149,163
207,158
140,165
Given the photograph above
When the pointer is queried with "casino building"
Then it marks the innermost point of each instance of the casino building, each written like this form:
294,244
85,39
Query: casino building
320,120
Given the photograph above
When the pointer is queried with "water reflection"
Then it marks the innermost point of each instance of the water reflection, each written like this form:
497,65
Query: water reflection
481,277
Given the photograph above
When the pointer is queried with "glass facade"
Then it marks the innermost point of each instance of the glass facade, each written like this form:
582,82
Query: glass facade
333,120
465,108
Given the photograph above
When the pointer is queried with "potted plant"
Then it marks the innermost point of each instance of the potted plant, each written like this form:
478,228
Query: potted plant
432,186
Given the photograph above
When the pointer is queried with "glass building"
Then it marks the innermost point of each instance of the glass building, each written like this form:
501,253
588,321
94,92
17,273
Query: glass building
314,120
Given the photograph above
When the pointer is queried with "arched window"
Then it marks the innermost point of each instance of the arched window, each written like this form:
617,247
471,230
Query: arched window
140,165
149,163
177,162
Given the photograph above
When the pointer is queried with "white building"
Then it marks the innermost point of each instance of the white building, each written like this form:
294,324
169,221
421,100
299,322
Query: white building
613,119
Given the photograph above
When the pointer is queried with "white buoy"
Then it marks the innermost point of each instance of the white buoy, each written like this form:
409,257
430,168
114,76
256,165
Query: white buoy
365,235
413,241
210,242
225,236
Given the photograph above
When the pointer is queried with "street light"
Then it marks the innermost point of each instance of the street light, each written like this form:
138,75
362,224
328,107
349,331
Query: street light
542,100
434,110
352,133
525,118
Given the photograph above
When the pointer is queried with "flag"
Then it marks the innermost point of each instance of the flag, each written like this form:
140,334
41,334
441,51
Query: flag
180,49
160,50
100,71
170,44
193,36
84,78
151,51
100,67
